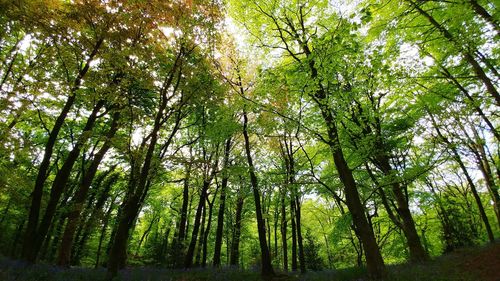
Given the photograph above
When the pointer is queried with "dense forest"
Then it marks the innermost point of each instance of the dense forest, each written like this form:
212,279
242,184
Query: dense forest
279,136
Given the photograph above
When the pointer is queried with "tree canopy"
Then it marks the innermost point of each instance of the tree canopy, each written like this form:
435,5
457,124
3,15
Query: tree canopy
283,135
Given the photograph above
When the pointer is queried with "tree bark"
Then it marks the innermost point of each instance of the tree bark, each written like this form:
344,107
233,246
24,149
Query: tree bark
31,237
467,55
103,185
62,177
188,261
235,240
103,231
485,168
267,268
283,232
481,11
222,204
207,232
79,198
472,186
300,243
139,183
294,235
417,251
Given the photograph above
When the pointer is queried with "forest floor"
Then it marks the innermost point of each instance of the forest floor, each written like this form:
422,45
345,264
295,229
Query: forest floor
471,264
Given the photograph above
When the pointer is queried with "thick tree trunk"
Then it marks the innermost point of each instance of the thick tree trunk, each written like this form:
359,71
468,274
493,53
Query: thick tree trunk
79,198
31,237
374,261
267,268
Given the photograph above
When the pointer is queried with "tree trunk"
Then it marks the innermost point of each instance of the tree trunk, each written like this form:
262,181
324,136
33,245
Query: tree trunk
485,168
222,204
267,268
188,261
138,187
300,243
235,240
85,228
481,11
283,232
146,233
103,232
185,202
31,237
207,232
374,261
467,55
472,186
79,198
62,177
199,242
417,251
294,236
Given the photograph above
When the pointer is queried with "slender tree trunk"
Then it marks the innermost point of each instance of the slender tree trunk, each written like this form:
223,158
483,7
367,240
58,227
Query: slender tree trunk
283,232
139,187
472,186
235,240
31,238
267,268
481,11
417,251
62,178
199,241
300,243
222,204
485,168
188,262
375,263
207,233
473,102
294,236
17,237
185,202
105,223
79,198
275,224
178,243
146,233
103,186
467,55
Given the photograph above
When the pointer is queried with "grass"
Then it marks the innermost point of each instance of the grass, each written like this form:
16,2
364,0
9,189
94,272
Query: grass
473,264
